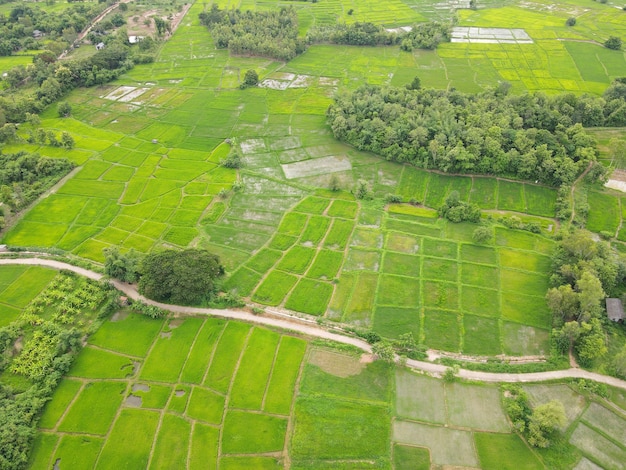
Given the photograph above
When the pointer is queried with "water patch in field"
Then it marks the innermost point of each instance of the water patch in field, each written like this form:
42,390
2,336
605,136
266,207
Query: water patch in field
132,95
475,35
141,388
274,84
317,166
252,146
119,92
133,401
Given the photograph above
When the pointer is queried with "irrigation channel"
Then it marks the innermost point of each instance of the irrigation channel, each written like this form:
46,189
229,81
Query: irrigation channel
309,328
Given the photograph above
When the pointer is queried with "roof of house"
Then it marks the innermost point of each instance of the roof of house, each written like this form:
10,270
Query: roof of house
614,309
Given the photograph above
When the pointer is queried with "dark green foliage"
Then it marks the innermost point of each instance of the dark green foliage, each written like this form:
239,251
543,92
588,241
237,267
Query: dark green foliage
251,78
183,277
64,109
426,36
456,210
122,266
233,160
264,33
613,42
482,234
355,34
540,138
571,21
151,311
415,84
24,176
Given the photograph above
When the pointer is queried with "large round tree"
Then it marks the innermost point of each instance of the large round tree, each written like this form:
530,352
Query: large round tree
182,277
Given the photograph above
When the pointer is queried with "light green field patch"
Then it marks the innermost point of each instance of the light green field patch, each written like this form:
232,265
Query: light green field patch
171,443
338,234
250,433
524,283
474,406
504,452
440,248
399,291
525,309
98,364
326,265
441,330
99,401
78,451
310,297
132,335
521,340
606,421
361,260
61,398
447,446
391,322
419,397
226,355
118,452
205,405
359,308
440,269
484,302
598,447
404,265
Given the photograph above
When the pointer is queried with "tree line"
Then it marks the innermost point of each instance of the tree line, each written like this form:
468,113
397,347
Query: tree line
265,33
531,136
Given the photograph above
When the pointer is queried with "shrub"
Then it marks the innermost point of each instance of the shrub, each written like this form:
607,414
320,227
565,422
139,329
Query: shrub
613,42
571,21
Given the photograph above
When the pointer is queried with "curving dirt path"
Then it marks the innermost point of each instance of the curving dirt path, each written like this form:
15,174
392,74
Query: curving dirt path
314,330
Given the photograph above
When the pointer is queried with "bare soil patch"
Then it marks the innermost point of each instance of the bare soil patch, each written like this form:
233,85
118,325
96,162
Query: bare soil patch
336,364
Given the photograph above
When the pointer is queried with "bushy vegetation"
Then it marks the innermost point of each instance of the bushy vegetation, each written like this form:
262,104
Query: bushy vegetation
532,136
24,176
59,28
184,277
264,33
426,36
355,34
456,210
584,273
52,326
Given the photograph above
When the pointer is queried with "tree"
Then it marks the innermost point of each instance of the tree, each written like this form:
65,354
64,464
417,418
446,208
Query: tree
613,42
456,210
563,302
383,350
334,184
64,109
544,421
571,21
590,295
67,141
122,266
416,84
184,277
482,234
362,190
591,343
251,78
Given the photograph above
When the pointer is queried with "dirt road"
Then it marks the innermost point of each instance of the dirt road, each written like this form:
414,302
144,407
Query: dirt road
316,331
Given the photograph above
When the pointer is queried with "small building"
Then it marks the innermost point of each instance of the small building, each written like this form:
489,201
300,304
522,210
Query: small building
614,309
135,39
37,34
100,46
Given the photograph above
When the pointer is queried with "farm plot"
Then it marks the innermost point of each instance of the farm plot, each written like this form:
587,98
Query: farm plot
179,407
13,296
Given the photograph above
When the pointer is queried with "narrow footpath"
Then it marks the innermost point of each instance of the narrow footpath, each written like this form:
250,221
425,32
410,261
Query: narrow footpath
307,328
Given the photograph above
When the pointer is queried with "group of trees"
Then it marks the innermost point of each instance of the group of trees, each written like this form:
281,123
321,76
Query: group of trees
530,136
265,33
16,29
181,277
32,88
456,210
24,176
538,425
585,271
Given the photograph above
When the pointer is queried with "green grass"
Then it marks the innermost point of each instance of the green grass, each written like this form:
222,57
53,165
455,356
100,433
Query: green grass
310,297
297,259
78,451
343,209
274,288
62,397
119,451
172,442
169,353
338,235
441,330
410,458
504,452
133,335
286,367
250,433
243,281
204,444
196,364
99,401
205,405
226,355
321,424
398,291
605,213
326,265
403,265
248,388
98,364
